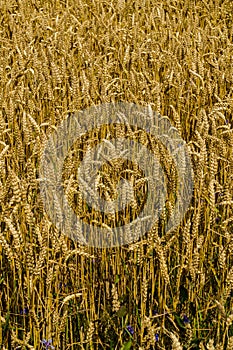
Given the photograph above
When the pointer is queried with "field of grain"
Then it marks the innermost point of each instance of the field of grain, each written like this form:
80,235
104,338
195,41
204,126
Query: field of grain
170,289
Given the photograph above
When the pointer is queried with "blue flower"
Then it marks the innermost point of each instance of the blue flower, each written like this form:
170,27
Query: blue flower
186,320
47,344
156,337
24,311
130,329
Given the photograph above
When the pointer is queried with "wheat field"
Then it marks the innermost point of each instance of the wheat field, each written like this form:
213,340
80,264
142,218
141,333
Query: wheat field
168,289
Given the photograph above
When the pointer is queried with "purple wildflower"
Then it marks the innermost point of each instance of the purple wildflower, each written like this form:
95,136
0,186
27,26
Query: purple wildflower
186,320
24,311
47,344
130,329
156,337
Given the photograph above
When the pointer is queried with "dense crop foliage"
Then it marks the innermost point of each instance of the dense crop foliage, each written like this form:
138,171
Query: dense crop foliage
171,290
